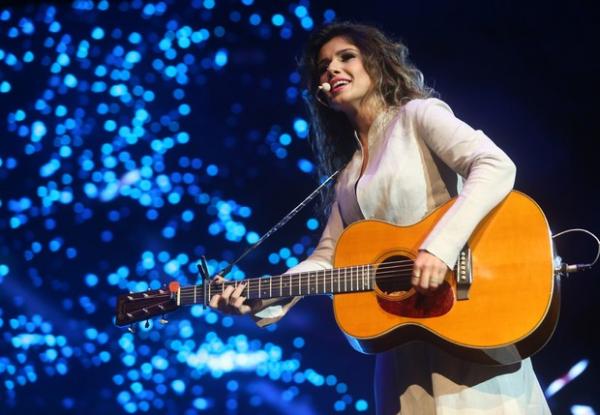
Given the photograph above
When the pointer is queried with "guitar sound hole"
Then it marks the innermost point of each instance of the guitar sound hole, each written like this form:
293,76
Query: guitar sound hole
393,274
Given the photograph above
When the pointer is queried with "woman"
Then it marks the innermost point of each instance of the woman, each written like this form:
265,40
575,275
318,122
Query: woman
404,153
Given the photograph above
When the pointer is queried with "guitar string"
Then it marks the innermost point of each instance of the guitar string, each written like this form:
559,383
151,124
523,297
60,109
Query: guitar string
187,292
384,271
388,272
295,276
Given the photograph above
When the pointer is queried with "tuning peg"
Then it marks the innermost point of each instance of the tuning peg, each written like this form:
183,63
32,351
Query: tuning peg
163,320
131,329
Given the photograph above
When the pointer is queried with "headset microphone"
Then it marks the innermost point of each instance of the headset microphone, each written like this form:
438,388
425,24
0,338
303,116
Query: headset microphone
325,86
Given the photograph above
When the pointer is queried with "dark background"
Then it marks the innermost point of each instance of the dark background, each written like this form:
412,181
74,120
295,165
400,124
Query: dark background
523,73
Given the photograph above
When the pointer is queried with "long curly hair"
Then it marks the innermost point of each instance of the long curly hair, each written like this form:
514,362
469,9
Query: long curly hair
395,81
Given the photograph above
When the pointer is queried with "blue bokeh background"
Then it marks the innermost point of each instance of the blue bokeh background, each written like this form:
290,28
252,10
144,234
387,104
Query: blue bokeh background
137,136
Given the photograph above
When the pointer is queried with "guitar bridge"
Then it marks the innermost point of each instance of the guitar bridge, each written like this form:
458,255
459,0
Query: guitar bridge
464,274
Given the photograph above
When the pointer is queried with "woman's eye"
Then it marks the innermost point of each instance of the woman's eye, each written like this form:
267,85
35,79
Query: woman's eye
347,56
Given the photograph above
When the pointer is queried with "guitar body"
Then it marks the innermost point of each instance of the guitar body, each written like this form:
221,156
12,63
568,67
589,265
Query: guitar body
513,300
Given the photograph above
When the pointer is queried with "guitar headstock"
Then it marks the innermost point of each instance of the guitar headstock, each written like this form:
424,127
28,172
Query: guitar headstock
135,307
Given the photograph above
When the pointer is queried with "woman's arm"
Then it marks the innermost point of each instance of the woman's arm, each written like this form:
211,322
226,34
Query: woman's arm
489,174
268,311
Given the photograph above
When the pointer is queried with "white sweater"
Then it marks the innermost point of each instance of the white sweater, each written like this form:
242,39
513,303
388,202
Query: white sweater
415,152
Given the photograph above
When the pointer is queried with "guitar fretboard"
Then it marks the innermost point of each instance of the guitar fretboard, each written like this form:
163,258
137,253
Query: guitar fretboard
330,281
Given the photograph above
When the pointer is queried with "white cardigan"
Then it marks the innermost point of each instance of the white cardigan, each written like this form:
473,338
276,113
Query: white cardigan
415,152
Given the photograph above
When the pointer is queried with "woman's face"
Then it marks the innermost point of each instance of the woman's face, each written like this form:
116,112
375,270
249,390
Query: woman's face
340,64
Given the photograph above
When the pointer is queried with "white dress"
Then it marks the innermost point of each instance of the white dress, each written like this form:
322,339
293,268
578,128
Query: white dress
419,155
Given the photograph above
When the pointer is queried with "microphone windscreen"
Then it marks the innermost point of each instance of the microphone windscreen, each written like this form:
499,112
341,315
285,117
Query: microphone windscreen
325,86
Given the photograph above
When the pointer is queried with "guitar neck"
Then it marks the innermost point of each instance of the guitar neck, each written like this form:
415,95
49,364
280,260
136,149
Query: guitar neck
329,281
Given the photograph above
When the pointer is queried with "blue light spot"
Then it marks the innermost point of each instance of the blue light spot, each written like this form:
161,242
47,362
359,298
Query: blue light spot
301,127
329,15
168,232
212,170
277,19
305,165
255,19
97,33
91,280
274,258
307,23
211,317
285,139
300,11
133,56
219,31
298,342
291,262
60,111
110,125
221,58
178,386
135,38
70,80
20,115
361,405
312,224
5,87
4,270
28,56
200,404
252,237
184,109
187,216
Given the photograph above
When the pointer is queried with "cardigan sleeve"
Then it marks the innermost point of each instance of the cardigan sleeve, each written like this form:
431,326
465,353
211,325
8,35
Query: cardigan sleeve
489,174
274,309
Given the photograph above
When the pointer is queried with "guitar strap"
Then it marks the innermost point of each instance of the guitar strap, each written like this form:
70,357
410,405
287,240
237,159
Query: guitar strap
279,224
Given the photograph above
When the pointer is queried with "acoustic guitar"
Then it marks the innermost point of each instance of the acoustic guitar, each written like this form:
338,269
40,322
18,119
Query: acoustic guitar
499,305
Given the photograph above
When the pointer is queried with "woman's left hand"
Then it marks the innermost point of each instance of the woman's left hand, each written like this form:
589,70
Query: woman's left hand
428,272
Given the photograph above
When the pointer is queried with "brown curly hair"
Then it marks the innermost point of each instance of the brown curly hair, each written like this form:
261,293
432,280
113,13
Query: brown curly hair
395,80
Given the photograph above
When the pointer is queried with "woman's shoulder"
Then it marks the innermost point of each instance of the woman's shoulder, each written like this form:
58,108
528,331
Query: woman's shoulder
421,105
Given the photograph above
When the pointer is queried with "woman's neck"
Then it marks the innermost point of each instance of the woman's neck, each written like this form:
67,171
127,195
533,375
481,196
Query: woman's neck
362,118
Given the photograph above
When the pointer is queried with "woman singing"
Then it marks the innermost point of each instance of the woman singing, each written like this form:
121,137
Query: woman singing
403,154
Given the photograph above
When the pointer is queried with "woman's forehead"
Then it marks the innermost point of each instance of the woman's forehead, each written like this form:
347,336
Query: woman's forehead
334,45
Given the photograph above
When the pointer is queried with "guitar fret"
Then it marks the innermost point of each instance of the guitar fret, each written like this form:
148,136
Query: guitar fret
362,277
316,282
259,288
338,280
345,279
195,287
332,281
290,284
270,286
281,285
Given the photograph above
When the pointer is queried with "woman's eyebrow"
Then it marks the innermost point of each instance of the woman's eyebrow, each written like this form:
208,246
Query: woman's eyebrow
339,52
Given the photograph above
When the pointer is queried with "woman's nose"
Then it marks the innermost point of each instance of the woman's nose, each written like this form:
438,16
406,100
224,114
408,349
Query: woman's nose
333,69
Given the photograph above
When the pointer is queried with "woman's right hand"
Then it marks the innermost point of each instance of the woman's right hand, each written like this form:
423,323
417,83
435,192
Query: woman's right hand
231,300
